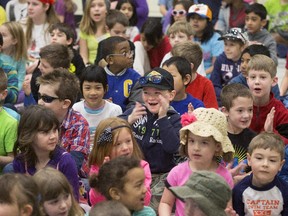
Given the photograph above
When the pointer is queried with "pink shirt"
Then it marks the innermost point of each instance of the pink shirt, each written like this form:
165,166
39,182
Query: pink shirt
180,174
96,197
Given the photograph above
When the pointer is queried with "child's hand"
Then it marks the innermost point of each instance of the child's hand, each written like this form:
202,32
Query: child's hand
164,106
138,111
230,211
237,170
106,159
190,108
26,85
268,126
110,100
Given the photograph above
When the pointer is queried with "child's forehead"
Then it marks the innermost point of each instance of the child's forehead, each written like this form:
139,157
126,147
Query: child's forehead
228,41
253,14
246,55
122,45
258,72
271,152
178,32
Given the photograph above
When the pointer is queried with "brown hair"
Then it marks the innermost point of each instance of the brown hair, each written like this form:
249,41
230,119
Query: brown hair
189,50
262,62
181,26
3,80
115,16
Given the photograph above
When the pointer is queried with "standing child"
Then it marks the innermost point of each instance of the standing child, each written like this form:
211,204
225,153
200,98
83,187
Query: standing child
56,194
14,49
128,8
227,65
92,28
263,192
19,194
200,17
94,108
37,146
41,15
121,77
180,69
202,142
114,138
123,179
269,114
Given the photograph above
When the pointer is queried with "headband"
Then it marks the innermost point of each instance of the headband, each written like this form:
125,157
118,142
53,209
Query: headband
48,1
106,135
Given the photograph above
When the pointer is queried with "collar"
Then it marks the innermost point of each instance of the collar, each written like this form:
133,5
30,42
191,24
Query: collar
112,74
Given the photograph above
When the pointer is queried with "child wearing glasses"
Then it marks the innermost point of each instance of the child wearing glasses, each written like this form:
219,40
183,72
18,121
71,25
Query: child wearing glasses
121,77
156,126
227,65
58,91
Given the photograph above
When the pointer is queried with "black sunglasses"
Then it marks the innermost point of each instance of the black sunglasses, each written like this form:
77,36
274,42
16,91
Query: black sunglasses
46,98
155,79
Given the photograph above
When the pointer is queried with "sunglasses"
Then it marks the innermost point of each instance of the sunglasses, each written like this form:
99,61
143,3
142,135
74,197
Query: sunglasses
156,79
46,98
178,12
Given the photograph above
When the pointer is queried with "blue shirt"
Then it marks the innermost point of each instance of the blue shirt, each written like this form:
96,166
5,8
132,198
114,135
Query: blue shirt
182,106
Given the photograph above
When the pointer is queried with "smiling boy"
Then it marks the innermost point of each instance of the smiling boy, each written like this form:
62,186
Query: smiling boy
263,192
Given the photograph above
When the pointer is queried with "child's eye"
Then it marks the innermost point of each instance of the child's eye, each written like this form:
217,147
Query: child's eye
240,111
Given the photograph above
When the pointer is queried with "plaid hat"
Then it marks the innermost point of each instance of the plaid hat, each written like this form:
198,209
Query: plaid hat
208,189
158,78
235,34
202,10
210,122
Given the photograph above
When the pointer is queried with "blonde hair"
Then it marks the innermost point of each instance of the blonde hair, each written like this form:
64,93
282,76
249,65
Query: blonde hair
51,184
190,51
99,152
181,26
87,25
262,62
51,18
17,33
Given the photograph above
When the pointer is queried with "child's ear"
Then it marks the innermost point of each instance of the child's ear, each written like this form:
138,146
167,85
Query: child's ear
281,165
114,193
274,81
225,111
172,95
109,60
3,95
263,23
187,79
249,159
69,41
66,104
27,210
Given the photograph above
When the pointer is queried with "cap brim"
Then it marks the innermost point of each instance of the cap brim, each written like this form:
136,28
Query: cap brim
156,86
201,15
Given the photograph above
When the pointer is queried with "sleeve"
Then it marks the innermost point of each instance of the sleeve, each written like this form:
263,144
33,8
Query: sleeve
21,73
237,202
209,99
169,132
10,137
217,46
29,100
147,182
141,11
78,63
220,24
12,87
217,79
272,46
60,7
135,95
141,57
68,167
18,166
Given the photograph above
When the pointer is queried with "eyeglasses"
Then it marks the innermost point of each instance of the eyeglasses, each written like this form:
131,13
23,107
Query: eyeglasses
46,98
156,79
178,12
128,54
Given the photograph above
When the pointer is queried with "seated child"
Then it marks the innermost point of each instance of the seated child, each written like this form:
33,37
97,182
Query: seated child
122,179
269,114
227,65
94,108
263,192
246,55
202,141
180,69
58,91
121,77
8,129
114,138
200,87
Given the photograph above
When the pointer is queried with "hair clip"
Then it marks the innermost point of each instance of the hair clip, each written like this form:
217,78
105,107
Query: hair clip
105,136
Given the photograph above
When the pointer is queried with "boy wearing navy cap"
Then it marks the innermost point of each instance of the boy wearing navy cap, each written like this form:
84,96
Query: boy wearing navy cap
156,126
227,65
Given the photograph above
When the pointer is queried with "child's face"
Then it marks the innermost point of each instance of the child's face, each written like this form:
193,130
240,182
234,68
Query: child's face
201,150
98,10
152,99
122,57
253,23
93,93
198,23
265,164
179,82
178,38
240,114
123,145
180,13
127,9
9,209
36,8
245,59
233,50
145,43
58,206
118,30
260,83
133,193
45,67
46,141
60,37
8,40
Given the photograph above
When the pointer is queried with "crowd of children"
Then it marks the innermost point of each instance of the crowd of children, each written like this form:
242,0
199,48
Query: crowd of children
133,116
